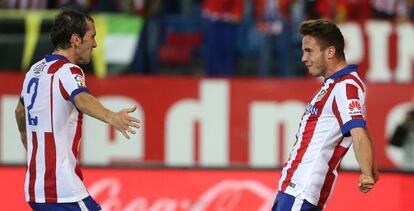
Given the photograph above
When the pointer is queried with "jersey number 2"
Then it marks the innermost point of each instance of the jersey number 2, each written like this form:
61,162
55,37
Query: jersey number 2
35,82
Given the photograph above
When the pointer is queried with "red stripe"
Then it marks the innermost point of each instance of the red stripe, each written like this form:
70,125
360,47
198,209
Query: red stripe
51,100
333,164
358,117
32,168
56,66
76,70
50,172
351,92
307,137
336,112
356,79
64,93
75,145
50,157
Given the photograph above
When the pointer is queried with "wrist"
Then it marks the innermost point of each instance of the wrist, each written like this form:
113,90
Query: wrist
109,116
368,173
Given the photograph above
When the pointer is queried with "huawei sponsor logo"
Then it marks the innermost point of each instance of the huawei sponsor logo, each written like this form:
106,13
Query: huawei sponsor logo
354,105
355,108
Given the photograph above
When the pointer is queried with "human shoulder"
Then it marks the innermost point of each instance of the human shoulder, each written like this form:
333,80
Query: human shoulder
72,69
37,67
351,79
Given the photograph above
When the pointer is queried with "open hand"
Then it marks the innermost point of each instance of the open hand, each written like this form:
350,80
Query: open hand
123,122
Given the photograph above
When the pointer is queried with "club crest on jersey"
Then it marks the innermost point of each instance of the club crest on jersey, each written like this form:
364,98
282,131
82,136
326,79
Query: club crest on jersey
354,108
321,95
311,109
79,80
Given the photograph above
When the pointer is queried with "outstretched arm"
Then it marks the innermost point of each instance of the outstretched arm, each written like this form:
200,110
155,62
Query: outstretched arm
21,123
120,120
364,153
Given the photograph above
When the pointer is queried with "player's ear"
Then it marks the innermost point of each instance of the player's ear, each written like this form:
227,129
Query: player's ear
330,51
75,40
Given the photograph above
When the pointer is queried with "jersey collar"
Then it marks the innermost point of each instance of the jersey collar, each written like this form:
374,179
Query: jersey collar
348,69
52,57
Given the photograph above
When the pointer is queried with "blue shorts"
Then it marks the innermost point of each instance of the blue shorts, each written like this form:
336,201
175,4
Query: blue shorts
87,203
286,202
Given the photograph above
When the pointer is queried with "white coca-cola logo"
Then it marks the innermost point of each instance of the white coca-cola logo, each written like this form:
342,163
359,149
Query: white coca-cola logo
226,195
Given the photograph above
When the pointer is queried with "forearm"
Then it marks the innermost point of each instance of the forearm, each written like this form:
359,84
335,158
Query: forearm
364,151
21,123
120,120
89,105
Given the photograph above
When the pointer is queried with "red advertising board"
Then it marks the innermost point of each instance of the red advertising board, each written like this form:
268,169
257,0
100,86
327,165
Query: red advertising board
205,122
205,190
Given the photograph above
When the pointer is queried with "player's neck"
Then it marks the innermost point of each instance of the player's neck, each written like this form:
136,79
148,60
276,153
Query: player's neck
335,67
65,53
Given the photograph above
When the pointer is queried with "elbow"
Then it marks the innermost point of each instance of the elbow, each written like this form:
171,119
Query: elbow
80,106
19,112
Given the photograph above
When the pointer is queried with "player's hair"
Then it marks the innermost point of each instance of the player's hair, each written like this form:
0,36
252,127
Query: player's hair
326,33
67,23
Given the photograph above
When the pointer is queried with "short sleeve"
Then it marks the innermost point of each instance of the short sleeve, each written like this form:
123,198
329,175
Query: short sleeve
72,82
349,106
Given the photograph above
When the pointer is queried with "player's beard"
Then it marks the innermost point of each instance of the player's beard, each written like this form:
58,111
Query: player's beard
318,68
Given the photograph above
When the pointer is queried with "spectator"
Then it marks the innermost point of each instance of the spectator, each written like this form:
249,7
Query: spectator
23,4
350,10
317,9
387,9
337,10
222,18
146,54
271,21
403,138
78,4
410,6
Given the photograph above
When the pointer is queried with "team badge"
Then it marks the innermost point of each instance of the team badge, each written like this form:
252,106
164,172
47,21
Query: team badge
321,95
311,109
79,80
354,108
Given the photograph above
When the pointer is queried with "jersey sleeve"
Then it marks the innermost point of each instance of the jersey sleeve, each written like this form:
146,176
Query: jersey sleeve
72,82
21,97
349,106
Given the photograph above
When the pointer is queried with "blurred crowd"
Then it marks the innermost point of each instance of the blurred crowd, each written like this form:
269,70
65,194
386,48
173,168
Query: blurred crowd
226,37
338,10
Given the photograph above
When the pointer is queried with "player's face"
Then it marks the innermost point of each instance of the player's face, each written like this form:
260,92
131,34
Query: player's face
84,50
313,57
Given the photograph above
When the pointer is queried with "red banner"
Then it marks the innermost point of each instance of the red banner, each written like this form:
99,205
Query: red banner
204,190
206,122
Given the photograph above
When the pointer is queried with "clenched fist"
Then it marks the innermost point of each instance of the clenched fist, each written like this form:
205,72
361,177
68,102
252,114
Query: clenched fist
365,183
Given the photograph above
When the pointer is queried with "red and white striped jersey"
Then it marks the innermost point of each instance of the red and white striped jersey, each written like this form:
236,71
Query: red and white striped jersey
53,127
324,137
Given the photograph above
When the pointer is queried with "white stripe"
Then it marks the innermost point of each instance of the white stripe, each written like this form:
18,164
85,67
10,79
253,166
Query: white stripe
297,204
82,206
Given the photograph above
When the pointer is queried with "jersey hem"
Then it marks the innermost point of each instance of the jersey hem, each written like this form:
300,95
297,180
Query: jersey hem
80,197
